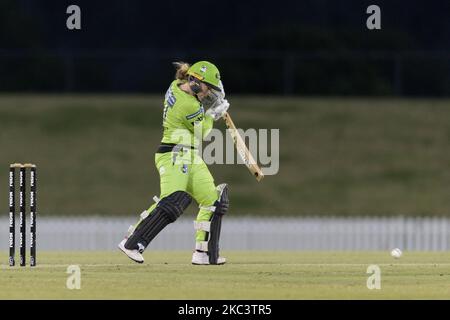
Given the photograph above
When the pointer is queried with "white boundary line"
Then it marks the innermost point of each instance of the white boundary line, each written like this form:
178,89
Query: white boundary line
393,264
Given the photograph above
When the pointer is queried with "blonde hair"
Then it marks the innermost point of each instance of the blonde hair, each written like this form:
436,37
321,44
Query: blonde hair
182,68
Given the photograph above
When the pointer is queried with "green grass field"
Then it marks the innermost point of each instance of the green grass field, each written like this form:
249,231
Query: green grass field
256,275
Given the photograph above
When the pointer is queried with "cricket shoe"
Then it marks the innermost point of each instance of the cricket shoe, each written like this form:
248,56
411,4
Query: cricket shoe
201,258
134,255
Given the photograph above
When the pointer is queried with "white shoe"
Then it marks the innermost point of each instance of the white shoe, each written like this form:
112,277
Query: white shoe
201,258
132,254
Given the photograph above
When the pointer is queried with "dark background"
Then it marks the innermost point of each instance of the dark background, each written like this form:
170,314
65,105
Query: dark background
319,47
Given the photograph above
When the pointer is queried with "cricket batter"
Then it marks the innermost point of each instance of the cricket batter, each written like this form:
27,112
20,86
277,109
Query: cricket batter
183,174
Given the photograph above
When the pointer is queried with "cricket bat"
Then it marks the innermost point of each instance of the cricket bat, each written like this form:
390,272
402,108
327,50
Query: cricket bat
242,148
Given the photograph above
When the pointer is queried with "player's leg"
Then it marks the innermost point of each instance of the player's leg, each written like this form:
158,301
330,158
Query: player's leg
172,178
213,203
172,202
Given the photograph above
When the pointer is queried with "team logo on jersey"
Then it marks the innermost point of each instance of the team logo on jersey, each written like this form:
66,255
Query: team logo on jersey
162,170
184,168
203,69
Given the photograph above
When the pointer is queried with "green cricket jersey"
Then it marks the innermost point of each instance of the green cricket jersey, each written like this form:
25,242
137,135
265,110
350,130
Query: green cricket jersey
185,112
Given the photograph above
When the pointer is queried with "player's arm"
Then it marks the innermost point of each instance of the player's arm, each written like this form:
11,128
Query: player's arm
195,118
